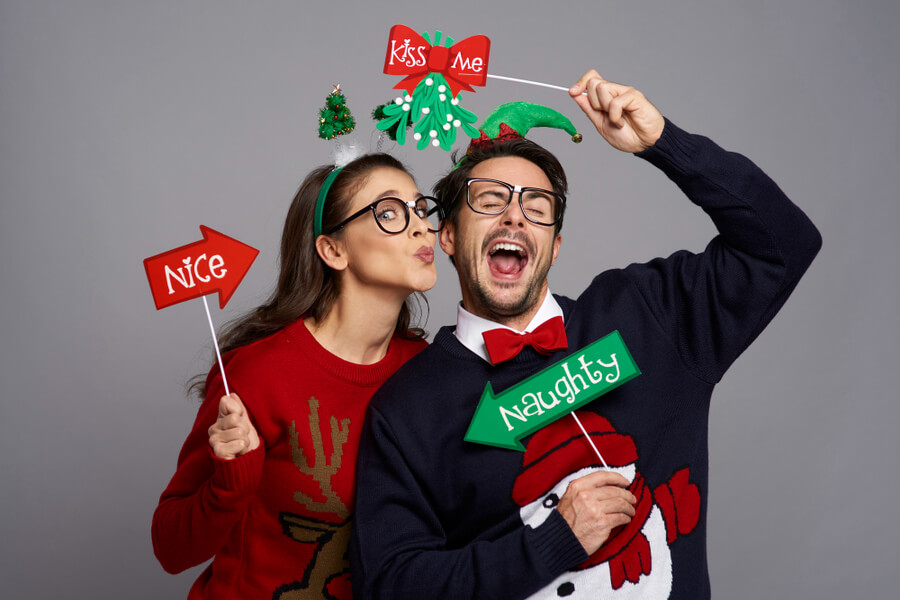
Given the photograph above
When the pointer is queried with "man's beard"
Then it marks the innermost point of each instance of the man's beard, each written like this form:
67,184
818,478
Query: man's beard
529,298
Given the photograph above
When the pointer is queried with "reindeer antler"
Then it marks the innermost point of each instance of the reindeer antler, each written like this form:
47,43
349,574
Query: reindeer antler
321,470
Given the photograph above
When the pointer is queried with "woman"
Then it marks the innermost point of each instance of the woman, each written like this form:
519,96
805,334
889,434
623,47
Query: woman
264,484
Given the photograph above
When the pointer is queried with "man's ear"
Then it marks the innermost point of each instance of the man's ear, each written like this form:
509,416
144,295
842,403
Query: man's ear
447,238
332,252
556,244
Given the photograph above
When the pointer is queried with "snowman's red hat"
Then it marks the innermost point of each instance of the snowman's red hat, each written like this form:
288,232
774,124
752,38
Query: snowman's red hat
561,449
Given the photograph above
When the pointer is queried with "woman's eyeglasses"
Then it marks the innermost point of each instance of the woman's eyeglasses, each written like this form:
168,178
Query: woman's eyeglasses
392,214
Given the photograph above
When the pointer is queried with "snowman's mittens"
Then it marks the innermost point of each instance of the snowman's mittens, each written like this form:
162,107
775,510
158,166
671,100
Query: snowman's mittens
631,563
679,500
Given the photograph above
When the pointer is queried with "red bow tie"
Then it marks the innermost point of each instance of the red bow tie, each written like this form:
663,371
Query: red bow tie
503,344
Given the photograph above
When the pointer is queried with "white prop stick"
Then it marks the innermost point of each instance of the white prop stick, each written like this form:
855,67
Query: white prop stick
529,82
590,441
563,89
212,330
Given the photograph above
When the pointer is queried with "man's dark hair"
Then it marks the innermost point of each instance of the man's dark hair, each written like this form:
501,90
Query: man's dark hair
450,189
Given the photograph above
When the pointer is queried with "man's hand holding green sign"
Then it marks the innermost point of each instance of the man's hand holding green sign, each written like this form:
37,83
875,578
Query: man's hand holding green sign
502,420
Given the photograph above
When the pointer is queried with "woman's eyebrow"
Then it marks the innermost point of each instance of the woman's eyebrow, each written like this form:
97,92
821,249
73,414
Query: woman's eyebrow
396,194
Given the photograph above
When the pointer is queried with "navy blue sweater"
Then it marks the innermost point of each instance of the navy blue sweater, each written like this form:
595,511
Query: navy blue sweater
438,517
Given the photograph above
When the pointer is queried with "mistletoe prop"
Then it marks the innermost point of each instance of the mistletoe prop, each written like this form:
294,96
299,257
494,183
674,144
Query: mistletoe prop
335,118
434,75
435,115
379,114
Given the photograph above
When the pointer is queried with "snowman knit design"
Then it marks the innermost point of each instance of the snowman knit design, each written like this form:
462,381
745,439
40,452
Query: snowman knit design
636,558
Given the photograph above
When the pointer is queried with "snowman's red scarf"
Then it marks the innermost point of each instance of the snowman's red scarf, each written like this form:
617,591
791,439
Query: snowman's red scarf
622,536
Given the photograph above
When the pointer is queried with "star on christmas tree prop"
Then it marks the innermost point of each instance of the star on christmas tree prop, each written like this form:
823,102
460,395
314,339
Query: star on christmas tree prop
335,119
435,72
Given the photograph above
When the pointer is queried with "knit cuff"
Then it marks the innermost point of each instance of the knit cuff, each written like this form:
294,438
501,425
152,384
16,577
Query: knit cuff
675,148
242,473
557,546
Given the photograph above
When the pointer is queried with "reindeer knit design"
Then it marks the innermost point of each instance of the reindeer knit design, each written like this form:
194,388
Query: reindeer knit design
276,521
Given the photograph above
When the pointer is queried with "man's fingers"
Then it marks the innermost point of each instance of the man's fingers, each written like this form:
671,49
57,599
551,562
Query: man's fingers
605,101
600,479
628,101
597,118
608,499
582,82
619,519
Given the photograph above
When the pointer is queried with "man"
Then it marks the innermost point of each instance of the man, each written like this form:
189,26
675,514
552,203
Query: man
439,517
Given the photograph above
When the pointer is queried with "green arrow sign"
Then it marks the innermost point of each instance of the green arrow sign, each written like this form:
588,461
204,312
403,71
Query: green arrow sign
556,391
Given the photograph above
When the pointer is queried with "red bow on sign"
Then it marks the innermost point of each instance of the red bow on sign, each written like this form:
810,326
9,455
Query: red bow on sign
503,344
463,64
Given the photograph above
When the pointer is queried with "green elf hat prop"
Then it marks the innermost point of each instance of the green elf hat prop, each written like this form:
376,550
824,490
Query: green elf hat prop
514,119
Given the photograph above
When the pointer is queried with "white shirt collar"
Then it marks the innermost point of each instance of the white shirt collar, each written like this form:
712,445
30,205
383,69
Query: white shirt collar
469,327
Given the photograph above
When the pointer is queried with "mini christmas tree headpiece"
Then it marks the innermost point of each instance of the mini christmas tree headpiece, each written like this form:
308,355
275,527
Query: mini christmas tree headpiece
334,120
513,120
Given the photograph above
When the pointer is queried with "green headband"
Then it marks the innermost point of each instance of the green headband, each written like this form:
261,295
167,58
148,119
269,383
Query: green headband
320,200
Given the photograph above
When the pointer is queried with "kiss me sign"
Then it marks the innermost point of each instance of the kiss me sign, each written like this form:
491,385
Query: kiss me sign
463,64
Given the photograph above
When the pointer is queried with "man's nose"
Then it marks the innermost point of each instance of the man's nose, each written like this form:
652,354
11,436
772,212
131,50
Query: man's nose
513,214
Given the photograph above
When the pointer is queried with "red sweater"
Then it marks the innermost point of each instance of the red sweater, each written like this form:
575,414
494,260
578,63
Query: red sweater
275,520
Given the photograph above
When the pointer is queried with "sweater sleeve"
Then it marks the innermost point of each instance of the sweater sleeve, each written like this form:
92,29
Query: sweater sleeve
712,305
400,549
206,497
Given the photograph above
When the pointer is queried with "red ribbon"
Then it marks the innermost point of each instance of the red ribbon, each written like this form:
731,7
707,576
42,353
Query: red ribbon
463,65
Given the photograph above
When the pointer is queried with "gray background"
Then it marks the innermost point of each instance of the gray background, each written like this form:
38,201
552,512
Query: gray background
125,125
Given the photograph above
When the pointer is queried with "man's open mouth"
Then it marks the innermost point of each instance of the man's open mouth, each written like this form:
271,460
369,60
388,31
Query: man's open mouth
507,259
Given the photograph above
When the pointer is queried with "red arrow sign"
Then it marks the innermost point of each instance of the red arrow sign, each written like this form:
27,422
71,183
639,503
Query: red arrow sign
217,263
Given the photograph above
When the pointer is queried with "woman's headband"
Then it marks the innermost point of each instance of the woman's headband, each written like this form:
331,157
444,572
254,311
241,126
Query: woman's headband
320,200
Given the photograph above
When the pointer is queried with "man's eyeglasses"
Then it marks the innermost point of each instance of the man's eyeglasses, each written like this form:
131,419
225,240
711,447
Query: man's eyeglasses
392,214
492,197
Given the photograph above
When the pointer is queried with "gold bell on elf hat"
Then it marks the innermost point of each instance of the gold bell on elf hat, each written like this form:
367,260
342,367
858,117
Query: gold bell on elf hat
513,120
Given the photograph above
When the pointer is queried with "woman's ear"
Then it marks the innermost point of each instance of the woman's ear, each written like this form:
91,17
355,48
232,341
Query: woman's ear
332,252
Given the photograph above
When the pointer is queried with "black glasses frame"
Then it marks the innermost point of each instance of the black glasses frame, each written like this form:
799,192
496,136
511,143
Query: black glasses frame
512,190
406,205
